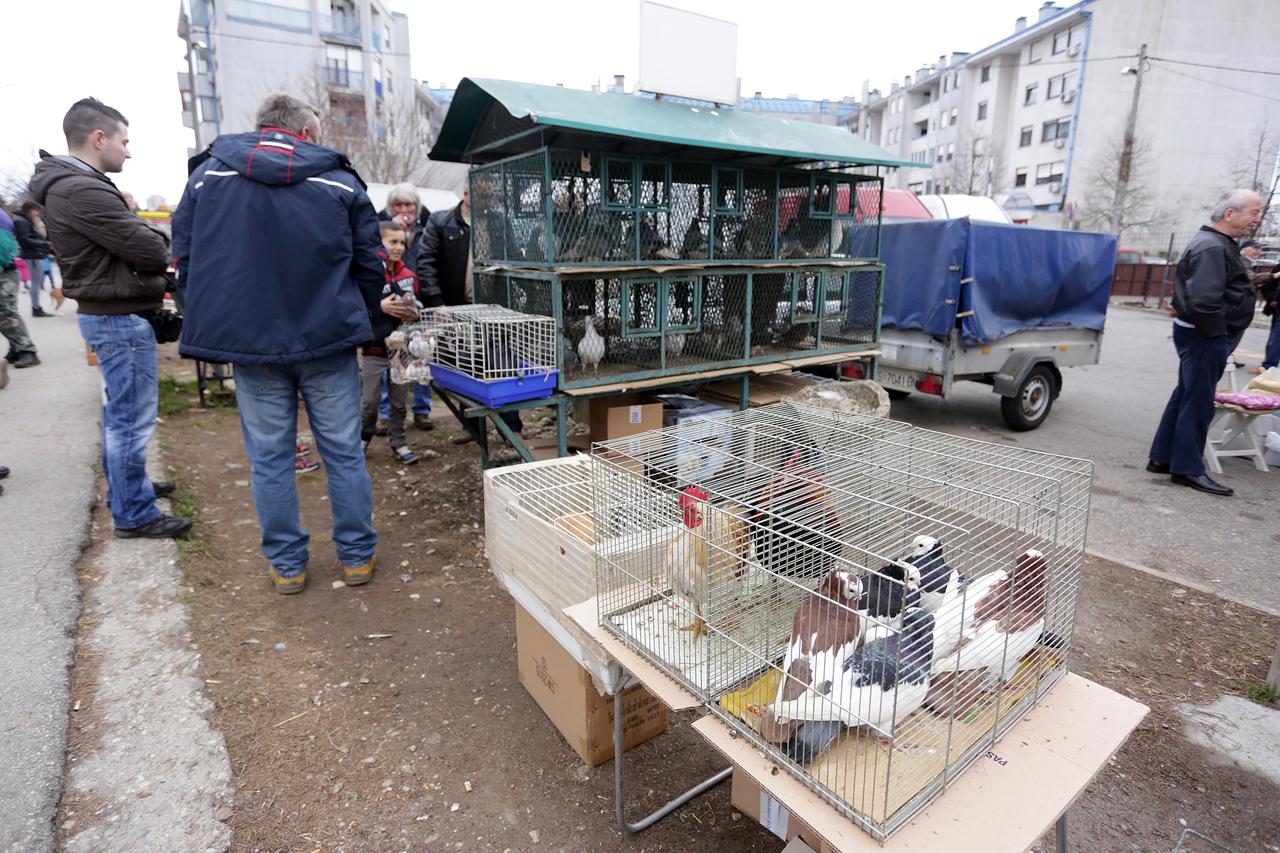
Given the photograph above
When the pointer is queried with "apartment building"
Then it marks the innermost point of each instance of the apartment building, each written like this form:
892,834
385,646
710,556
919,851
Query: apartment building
351,56
1035,116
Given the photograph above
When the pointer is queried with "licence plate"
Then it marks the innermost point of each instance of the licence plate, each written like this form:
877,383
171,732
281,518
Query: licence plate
891,378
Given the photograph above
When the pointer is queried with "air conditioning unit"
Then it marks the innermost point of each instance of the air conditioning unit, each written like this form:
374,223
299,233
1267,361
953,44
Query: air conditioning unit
1055,187
1073,50
1068,96
1059,143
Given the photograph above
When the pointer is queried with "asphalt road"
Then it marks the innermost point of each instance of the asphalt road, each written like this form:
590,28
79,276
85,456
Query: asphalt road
1108,413
49,438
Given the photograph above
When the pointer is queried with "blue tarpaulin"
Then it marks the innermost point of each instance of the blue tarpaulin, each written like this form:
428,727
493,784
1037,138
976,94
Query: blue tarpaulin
1003,278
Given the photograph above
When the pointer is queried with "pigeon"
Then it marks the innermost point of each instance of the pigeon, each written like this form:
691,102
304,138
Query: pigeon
939,583
591,347
999,619
675,344
890,591
825,631
880,685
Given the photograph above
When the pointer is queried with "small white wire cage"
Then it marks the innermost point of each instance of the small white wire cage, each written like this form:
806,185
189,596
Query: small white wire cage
872,604
410,349
490,343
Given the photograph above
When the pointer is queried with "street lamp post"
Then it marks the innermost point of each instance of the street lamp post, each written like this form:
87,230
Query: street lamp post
1126,150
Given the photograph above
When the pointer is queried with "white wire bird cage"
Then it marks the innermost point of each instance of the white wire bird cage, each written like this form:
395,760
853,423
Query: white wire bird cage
872,604
492,354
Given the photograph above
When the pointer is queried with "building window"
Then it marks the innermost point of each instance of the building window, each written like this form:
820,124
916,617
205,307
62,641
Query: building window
951,150
1020,176
1035,52
955,81
982,110
209,108
986,73
1052,130
955,115
941,154
1024,139
283,14
1050,173
343,66
1064,40
945,82
1029,96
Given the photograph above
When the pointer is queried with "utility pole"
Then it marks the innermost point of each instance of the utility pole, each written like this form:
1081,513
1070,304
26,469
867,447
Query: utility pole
1126,151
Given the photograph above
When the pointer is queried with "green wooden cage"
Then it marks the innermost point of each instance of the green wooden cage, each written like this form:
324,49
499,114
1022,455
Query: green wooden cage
687,238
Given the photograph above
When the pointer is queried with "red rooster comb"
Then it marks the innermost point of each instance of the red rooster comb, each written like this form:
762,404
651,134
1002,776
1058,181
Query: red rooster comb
690,496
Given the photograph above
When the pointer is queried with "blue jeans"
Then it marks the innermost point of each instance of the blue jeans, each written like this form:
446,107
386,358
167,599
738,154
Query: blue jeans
1184,427
421,400
267,395
126,348
1272,357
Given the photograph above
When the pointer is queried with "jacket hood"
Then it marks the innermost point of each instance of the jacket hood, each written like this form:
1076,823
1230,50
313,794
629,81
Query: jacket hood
54,168
276,157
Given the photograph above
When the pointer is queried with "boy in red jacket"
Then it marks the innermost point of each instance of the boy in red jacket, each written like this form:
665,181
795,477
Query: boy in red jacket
399,304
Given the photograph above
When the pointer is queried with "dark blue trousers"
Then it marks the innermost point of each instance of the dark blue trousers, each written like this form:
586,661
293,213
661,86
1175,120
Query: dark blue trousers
1184,427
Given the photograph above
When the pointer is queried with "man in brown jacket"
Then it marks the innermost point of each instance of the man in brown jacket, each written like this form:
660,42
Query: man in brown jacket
113,265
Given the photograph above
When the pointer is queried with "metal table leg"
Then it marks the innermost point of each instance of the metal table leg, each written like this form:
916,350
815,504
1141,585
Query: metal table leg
646,822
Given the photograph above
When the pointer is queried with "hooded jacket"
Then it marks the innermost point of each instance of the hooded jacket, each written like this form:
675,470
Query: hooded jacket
112,262
277,252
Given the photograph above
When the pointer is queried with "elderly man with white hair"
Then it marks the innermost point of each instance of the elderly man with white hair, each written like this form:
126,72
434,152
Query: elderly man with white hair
1213,304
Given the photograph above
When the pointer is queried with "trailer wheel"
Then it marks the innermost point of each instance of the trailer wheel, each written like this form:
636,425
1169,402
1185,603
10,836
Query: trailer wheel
1027,409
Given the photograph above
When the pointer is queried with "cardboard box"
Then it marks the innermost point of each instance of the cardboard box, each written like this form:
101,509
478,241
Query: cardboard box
623,415
765,389
753,801
567,695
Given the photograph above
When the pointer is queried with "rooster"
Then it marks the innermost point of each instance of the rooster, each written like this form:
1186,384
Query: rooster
711,549
795,524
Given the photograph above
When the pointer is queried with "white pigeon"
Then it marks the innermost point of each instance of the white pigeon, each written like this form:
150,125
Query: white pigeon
675,344
997,620
591,347
880,685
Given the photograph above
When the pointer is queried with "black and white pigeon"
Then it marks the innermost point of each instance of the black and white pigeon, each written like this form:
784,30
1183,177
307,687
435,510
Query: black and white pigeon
891,590
939,583
883,682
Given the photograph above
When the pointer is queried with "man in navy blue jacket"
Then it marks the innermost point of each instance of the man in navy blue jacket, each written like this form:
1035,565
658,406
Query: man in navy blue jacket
277,252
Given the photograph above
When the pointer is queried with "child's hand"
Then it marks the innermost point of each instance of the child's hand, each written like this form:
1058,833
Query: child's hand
393,307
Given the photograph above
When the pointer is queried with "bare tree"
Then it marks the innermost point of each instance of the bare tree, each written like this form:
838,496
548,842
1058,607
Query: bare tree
976,168
14,178
1253,167
1139,211
389,146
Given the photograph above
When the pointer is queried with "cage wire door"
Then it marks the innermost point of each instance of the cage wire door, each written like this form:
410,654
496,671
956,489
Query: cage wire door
872,604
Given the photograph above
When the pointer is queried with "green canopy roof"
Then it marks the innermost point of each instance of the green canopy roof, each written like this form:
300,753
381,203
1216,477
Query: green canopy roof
491,119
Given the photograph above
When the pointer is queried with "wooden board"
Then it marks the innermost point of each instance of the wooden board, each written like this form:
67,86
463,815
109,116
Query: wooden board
678,379
831,357
1004,803
676,697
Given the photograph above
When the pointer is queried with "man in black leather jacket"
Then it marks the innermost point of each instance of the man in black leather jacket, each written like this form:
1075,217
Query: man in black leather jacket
1213,303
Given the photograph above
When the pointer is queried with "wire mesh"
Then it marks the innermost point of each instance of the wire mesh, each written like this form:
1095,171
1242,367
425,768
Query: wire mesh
615,208
872,604
490,342
690,321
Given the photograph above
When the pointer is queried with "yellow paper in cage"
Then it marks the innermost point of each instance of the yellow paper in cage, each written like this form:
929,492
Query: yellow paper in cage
753,697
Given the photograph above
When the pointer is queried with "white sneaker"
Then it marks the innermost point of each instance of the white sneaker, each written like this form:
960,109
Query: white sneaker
405,455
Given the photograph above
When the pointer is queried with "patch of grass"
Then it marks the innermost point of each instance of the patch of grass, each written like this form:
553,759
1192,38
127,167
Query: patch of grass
174,396
1257,691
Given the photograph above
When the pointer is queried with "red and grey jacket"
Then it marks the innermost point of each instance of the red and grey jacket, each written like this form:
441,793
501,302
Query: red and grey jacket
399,280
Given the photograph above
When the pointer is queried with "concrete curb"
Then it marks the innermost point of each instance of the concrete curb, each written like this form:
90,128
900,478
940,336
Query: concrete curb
160,776
1207,589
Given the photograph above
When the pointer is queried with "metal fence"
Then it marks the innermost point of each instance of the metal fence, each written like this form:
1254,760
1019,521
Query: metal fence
871,604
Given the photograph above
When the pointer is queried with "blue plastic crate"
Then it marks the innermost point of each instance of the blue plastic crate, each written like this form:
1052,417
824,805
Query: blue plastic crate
496,392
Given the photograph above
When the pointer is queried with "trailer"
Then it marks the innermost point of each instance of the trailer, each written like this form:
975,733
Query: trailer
1007,306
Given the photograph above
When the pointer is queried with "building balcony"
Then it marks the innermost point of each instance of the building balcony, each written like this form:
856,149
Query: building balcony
270,15
343,78
344,28
377,41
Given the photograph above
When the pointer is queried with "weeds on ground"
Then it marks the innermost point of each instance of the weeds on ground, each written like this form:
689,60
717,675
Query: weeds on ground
175,396
1257,691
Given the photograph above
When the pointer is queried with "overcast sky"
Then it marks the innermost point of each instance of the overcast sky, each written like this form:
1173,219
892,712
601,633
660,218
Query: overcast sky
127,53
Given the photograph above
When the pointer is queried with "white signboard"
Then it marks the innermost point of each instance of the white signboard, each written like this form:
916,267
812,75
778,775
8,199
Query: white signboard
687,54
